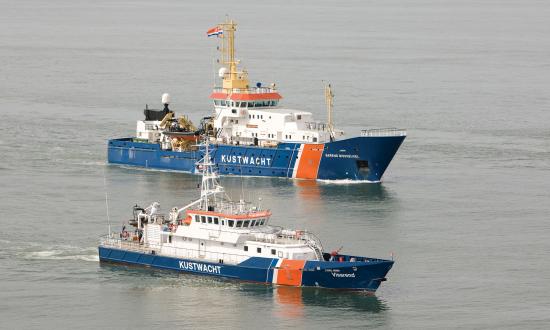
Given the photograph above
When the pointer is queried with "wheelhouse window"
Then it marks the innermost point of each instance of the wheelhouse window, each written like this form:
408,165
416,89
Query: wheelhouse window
223,222
262,222
209,219
197,218
203,219
252,223
216,221
239,224
246,223
230,223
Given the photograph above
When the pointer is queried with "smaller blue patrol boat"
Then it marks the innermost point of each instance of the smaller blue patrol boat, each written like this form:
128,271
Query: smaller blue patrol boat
215,236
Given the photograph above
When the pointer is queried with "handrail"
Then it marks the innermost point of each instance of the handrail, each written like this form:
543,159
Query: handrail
113,241
254,90
119,243
376,132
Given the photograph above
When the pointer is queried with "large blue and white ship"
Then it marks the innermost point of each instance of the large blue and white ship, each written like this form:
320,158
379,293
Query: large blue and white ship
215,236
253,135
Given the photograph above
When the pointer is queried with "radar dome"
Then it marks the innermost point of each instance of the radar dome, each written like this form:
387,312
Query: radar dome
165,98
222,72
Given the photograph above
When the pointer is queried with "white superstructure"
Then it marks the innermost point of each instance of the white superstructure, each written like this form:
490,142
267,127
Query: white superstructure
264,122
214,228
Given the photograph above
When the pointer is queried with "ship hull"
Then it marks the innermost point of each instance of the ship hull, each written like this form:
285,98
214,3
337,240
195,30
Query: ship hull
366,275
359,158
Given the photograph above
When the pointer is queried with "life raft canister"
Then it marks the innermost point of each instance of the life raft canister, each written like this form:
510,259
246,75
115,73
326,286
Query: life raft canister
187,220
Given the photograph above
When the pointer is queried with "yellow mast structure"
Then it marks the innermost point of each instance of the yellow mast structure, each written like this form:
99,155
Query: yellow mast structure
329,99
234,79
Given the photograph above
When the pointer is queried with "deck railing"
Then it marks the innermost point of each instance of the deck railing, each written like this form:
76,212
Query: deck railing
254,90
377,132
171,251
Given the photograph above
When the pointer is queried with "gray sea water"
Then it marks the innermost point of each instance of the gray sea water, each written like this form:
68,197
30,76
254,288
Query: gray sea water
464,207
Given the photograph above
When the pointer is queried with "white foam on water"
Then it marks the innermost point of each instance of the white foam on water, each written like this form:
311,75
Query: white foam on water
64,253
346,181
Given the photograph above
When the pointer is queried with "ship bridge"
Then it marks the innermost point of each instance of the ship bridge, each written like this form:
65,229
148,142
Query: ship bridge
259,97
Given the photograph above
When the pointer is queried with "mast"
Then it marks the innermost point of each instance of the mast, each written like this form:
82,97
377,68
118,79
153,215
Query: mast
329,100
234,78
210,185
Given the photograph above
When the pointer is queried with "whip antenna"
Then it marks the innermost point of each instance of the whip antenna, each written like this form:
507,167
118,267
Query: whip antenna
106,201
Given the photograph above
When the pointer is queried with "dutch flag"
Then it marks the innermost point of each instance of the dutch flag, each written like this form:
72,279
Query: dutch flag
215,31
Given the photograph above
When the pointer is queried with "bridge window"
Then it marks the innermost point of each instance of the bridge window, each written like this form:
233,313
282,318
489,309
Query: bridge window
262,221
230,223
252,223
246,223
216,222
259,250
209,219
203,219
223,222
197,218
239,224
250,104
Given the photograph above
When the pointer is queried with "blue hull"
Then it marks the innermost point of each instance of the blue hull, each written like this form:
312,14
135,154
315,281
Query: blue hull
359,158
357,275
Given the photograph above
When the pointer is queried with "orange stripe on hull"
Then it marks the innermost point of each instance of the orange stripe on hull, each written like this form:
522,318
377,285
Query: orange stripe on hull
290,272
309,161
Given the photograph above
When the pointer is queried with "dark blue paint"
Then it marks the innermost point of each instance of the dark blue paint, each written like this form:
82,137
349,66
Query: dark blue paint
377,151
368,273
